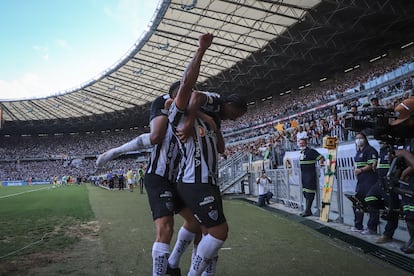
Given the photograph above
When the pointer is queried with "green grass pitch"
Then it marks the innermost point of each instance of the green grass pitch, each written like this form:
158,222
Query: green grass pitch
86,230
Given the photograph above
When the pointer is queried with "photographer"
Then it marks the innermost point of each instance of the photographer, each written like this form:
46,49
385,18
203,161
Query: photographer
403,126
263,185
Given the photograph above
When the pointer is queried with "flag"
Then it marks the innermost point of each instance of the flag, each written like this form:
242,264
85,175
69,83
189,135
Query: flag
294,124
279,126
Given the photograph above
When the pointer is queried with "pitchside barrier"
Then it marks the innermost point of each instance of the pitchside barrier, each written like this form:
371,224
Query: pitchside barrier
239,177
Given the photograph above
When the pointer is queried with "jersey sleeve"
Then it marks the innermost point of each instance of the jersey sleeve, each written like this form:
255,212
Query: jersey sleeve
213,102
175,115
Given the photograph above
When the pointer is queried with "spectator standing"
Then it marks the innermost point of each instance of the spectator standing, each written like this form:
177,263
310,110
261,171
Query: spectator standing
141,175
130,180
110,178
121,180
301,134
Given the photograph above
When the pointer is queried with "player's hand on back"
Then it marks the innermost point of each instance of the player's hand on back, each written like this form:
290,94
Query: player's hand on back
185,130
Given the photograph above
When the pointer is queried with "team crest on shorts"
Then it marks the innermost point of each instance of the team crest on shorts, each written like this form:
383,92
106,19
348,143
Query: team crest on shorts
213,214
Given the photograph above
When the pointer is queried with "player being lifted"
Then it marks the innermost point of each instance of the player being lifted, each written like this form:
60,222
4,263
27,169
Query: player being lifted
230,107
200,143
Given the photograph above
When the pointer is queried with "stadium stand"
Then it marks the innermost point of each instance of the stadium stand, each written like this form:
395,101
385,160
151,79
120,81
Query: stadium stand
325,38
42,157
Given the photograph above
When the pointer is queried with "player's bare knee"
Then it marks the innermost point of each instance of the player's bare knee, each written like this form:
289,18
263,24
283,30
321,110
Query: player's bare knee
192,225
220,231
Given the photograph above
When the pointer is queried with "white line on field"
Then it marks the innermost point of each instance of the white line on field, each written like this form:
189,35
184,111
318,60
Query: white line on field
23,192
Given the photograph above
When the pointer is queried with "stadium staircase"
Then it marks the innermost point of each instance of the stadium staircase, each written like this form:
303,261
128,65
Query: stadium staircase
232,176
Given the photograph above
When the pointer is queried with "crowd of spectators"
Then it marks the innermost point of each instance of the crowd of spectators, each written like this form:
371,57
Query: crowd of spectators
46,170
43,157
272,125
321,93
279,135
62,146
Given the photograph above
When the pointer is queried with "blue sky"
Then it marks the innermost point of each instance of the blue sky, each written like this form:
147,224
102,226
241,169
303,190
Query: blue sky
49,46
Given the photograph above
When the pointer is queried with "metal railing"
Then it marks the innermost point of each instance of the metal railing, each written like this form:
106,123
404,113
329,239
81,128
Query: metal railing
287,190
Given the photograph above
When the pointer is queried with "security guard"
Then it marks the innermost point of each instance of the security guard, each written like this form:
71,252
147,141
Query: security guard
365,160
307,162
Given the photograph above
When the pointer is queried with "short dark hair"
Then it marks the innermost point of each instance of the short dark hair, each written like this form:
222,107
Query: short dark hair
237,101
174,87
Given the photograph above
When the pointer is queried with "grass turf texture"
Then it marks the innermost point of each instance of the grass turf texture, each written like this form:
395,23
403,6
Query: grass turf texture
259,243
44,214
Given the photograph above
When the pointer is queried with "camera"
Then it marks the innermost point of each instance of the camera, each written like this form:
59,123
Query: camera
376,121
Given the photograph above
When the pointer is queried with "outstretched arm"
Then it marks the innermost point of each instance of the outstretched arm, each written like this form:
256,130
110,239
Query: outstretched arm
191,72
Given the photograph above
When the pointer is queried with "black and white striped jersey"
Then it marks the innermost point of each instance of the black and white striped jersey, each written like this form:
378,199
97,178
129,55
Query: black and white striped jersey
165,157
213,102
199,154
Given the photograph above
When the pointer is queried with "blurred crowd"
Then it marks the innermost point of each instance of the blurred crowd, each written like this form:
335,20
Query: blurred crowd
276,125
269,128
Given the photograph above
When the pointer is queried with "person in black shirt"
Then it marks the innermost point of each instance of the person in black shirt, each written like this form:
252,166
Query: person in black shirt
365,160
307,161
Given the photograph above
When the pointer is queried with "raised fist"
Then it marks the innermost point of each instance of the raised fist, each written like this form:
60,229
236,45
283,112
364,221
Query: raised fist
205,40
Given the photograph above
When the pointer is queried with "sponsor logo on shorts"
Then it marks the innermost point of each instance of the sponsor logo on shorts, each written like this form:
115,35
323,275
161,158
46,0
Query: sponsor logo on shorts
213,214
166,194
207,200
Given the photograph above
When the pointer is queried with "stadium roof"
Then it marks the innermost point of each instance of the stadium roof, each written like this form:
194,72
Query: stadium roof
261,48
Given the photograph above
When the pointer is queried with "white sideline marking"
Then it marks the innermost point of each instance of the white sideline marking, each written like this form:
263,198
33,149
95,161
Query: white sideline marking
23,192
